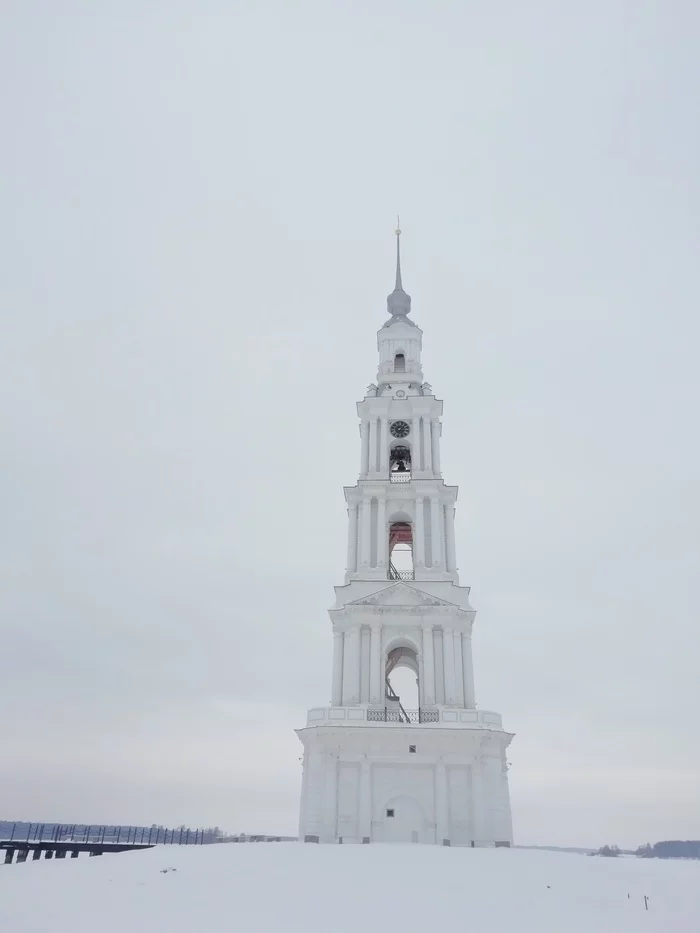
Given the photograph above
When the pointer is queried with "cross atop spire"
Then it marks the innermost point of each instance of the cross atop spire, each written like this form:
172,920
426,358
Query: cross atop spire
398,302
399,286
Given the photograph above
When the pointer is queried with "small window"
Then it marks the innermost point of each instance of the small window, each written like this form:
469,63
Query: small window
399,363
389,812
412,749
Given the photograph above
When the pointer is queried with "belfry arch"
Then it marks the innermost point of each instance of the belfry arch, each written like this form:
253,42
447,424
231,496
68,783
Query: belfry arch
400,462
401,550
403,689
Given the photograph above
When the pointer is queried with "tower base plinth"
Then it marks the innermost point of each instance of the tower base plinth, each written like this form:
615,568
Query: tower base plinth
390,782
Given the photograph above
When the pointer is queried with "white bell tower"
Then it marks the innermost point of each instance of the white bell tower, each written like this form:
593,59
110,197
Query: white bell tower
373,770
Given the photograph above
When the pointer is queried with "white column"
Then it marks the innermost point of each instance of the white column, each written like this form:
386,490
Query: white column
337,692
372,446
364,458
355,678
352,537
364,665
459,678
351,668
419,535
365,531
375,695
330,803
442,831
436,533
506,821
427,458
421,681
428,666
382,536
435,434
304,797
365,826
451,556
314,801
375,662
468,671
439,666
479,816
384,445
448,656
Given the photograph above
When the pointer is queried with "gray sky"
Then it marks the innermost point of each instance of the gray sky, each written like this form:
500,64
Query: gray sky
198,201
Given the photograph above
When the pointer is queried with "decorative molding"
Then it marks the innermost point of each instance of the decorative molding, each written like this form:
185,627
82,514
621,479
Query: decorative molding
414,597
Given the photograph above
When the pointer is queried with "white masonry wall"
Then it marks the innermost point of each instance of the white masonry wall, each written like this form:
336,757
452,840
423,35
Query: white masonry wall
451,791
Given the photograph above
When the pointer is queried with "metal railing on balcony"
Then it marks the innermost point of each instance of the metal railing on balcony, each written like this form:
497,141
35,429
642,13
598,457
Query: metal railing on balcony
397,715
395,574
400,476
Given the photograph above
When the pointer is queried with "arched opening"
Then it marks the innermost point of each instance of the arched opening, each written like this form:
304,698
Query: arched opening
402,688
402,819
400,551
399,363
400,459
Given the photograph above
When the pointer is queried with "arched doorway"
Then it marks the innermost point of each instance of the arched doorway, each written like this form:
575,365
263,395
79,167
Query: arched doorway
402,820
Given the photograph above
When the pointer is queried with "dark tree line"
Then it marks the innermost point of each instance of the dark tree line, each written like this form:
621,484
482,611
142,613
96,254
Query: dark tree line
609,851
671,848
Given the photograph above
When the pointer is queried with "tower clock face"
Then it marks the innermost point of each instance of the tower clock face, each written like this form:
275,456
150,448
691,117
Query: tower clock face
400,429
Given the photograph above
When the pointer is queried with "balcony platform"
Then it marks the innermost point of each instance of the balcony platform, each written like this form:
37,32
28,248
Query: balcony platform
388,718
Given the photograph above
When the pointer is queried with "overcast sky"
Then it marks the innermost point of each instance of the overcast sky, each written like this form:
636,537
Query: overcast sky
198,201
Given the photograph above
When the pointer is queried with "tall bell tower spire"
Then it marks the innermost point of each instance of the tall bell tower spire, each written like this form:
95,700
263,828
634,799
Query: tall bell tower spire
374,768
398,252
398,302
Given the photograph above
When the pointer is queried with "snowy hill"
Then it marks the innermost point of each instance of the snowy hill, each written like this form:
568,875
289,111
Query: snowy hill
269,887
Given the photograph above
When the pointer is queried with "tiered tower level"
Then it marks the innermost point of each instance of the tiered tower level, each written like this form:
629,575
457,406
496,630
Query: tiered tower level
374,770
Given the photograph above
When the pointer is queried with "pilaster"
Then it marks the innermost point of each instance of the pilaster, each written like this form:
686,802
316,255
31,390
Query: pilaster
450,557
337,697
449,662
330,800
364,445
375,655
435,434
428,667
352,537
459,677
384,446
364,664
351,667
436,533
427,446
419,536
468,671
373,445
441,812
365,820
382,535
366,532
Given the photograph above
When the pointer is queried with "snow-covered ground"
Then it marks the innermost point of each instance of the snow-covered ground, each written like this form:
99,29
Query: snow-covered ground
269,887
